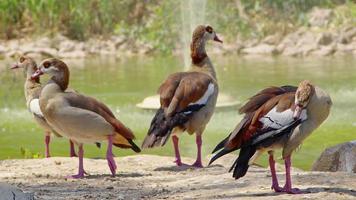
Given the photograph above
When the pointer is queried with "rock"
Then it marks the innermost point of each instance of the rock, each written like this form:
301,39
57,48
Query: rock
341,157
272,39
261,49
324,39
346,36
2,49
346,48
10,192
291,51
324,51
67,46
118,40
320,17
44,42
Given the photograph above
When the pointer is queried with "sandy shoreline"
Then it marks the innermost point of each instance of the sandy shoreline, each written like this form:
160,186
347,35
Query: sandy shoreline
156,177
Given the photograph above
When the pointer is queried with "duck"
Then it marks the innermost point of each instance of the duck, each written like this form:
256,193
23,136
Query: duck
187,99
80,118
32,89
275,118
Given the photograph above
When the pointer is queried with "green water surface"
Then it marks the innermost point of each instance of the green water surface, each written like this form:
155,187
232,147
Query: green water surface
123,83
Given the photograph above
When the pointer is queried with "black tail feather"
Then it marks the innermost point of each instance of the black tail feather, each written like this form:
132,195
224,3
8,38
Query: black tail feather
220,145
162,126
134,147
241,164
220,154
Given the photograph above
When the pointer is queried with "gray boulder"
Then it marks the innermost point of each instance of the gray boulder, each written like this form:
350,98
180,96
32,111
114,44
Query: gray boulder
341,157
9,192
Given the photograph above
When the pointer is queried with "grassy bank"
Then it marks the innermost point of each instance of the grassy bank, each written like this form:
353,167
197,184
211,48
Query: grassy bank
155,21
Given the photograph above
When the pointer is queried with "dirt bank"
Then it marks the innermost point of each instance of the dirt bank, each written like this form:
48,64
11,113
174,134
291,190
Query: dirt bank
155,177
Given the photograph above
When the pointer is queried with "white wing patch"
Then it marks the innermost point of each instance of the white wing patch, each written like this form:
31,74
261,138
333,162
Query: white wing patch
35,107
204,99
277,120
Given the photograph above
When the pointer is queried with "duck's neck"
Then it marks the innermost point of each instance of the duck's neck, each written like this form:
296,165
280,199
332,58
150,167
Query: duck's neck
32,86
61,79
29,79
200,60
319,106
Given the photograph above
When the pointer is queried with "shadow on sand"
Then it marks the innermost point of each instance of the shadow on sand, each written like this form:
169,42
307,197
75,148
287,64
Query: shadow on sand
311,190
184,167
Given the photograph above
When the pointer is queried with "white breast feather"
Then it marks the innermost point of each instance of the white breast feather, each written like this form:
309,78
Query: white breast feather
35,107
274,119
204,99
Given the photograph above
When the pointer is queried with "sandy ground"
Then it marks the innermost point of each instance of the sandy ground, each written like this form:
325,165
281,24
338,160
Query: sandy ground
156,177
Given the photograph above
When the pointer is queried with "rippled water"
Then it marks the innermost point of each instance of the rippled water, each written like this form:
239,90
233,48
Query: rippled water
123,83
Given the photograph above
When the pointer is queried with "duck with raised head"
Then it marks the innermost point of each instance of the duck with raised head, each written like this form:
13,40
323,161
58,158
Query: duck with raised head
32,92
275,118
80,118
187,99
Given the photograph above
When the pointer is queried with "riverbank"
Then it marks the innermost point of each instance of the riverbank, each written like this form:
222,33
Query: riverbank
156,177
319,38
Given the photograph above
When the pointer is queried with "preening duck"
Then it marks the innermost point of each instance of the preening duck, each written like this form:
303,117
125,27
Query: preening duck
276,117
78,117
32,90
187,99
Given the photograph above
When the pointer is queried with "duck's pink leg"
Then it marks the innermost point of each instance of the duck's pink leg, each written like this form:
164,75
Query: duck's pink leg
81,166
288,186
47,141
110,156
275,185
175,140
199,142
72,149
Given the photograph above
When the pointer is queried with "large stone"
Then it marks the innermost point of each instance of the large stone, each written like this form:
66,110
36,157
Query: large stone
272,39
11,192
324,51
341,157
324,39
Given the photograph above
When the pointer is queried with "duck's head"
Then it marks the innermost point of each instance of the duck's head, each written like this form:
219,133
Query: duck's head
26,63
51,66
205,33
302,97
56,68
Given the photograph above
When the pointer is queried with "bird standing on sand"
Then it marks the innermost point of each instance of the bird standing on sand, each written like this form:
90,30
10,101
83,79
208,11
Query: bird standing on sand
276,117
32,92
80,118
187,99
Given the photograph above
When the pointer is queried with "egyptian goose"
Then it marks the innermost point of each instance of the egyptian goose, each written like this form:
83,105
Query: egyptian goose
187,99
80,118
32,92
276,117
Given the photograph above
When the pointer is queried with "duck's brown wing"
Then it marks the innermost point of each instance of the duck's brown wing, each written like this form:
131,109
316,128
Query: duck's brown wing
93,105
181,94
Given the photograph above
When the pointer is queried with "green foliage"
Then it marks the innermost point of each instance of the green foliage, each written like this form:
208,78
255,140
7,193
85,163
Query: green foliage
157,21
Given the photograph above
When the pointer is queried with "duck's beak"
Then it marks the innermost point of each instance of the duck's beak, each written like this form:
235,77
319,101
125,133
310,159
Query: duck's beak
14,66
216,38
37,74
297,112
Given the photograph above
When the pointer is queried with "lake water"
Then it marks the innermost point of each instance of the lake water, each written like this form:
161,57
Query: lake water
122,84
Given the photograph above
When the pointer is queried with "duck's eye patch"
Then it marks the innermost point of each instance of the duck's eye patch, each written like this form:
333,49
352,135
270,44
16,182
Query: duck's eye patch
209,29
46,65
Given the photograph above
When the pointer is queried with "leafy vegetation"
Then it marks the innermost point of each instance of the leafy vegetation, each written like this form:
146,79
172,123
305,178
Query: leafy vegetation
154,21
